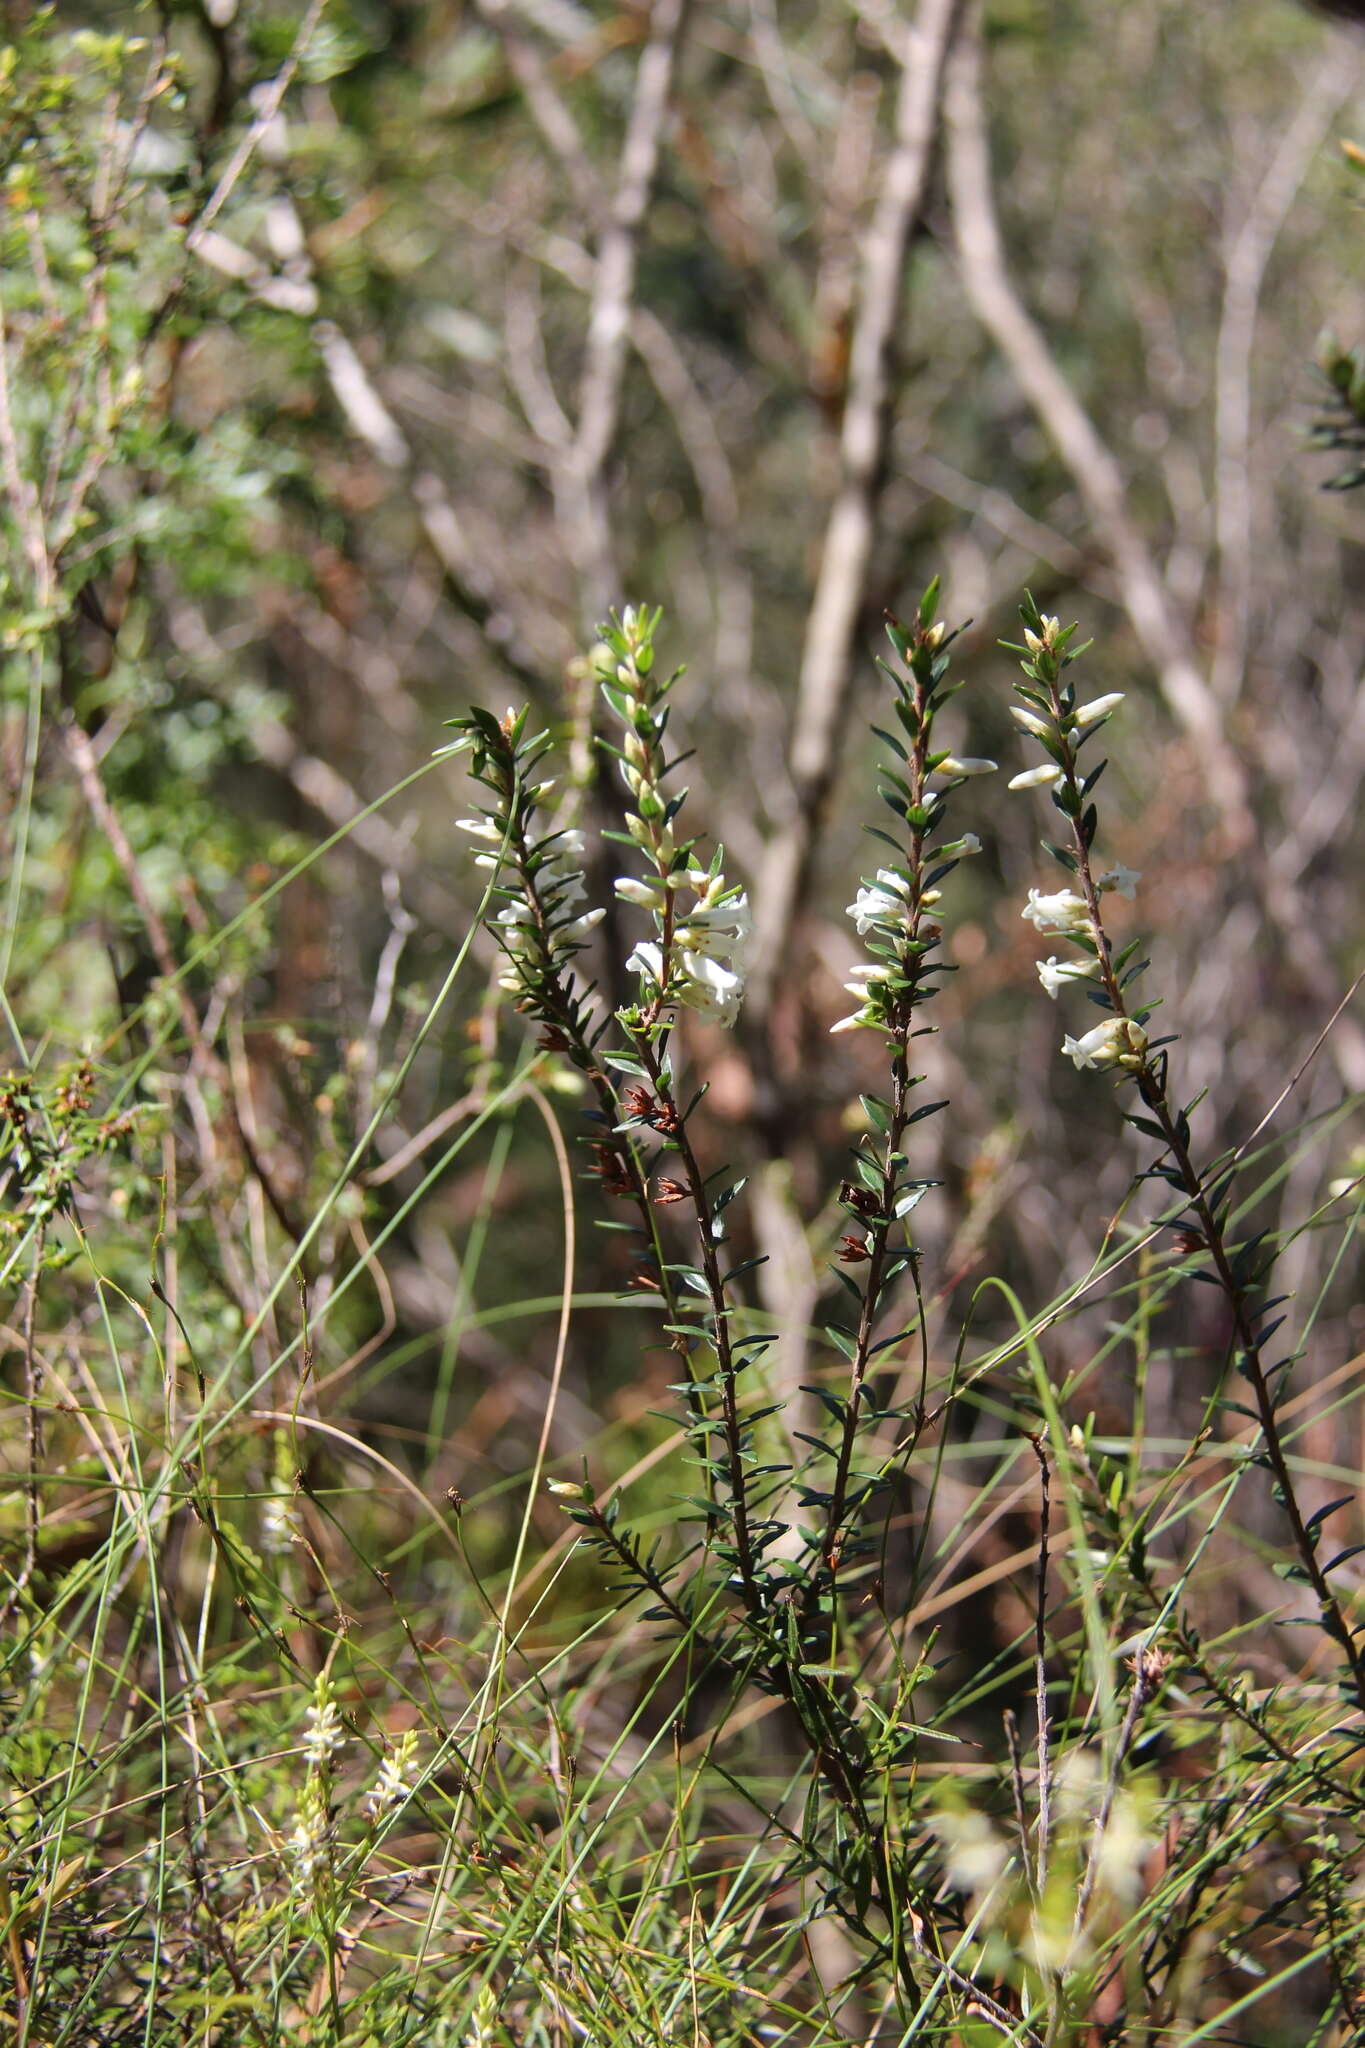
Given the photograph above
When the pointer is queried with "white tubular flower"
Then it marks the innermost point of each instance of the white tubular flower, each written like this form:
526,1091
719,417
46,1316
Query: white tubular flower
861,975
480,828
310,1843
647,959
1098,707
1123,881
647,895
1055,974
1036,778
735,914
1116,1042
564,853
706,972
1064,912
711,988
325,1735
570,889
393,1785
869,1016
965,765
538,918
861,1020
719,930
968,843
559,891
1030,722
877,902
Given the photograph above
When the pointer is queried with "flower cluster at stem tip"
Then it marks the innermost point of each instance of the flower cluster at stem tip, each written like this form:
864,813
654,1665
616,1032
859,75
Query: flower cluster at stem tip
539,927
694,956
1050,714
394,1785
895,912
325,1734
701,922
310,1843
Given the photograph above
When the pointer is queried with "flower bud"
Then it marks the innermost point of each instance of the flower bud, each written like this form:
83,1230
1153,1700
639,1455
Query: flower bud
1031,723
1099,707
649,895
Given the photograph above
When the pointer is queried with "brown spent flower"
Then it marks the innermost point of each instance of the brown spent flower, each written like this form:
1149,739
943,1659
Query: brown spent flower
611,1170
1150,1666
669,1191
853,1250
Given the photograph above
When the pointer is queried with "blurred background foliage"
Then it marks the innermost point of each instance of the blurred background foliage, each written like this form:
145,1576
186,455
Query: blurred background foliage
330,504
313,433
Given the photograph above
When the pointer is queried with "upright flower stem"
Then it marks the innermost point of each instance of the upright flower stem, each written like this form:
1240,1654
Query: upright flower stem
878,1247
756,1630
546,991
878,1244
1150,1076
745,1559
895,912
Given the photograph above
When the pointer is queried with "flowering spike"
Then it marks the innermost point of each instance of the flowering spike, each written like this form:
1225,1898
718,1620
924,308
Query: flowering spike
1116,1042
695,957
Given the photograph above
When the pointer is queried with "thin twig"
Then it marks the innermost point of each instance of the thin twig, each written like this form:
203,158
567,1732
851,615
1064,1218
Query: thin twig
82,757
827,655
604,361
1251,248
579,468
23,496
267,112
1098,478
